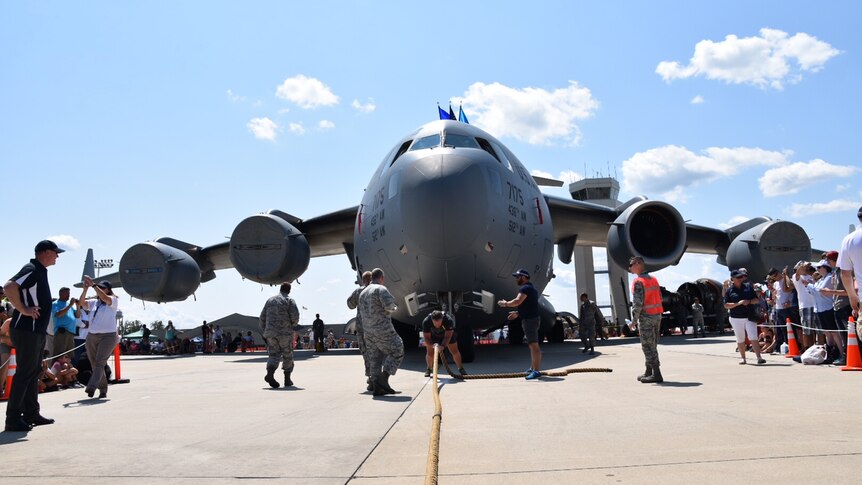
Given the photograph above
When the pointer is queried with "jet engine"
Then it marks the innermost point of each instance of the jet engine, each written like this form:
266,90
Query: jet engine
772,244
154,271
267,249
651,229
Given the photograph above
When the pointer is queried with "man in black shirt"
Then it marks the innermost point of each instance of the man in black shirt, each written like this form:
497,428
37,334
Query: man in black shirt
30,295
527,303
317,328
439,328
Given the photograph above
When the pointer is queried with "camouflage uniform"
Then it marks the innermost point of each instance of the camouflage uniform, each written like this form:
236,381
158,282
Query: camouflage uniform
278,321
697,319
649,326
383,347
587,323
353,302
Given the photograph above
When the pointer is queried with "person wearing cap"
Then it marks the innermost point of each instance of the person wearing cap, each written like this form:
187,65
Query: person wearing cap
102,336
697,325
527,304
850,262
840,298
588,316
737,299
782,294
439,328
30,295
822,291
279,320
64,311
646,311
802,277
383,345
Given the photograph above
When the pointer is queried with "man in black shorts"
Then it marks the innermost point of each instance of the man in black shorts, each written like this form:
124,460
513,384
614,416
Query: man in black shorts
439,328
527,303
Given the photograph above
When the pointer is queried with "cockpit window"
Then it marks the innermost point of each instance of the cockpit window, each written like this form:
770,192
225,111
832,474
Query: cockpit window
459,141
431,141
487,147
401,151
501,155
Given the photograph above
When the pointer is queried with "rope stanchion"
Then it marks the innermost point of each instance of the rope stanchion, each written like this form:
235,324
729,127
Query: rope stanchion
13,366
118,374
432,465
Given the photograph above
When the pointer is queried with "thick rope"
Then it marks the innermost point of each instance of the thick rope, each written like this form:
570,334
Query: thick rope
559,373
431,467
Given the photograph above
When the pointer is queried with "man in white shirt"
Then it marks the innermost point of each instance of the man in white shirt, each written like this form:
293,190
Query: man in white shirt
802,277
850,262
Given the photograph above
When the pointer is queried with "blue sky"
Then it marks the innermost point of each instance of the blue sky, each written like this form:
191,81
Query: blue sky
126,122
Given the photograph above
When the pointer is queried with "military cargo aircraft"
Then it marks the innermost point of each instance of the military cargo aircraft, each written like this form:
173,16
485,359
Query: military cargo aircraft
449,214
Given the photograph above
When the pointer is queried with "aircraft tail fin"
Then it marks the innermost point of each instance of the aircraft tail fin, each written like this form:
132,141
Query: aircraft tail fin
89,265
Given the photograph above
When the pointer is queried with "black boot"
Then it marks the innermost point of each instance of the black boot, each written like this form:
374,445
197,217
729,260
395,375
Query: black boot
287,381
646,373
376,388
383,381
654,378
270,377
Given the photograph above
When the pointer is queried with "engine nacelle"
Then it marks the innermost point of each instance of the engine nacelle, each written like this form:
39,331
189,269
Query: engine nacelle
153,271
267,249
773,244
651,229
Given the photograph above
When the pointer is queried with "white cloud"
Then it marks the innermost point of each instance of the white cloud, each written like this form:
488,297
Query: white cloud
676,195
570,176
792,178
364,108
325,125
541,173
263,128
296,128
65,241
733,221
768,60
802,210
670,169
842,187
532,115
697,99
234,97
306,92
283,111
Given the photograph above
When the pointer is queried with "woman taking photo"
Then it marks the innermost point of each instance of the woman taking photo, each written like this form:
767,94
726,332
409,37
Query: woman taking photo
102,337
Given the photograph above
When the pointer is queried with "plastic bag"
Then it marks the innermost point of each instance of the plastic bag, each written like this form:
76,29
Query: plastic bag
814,355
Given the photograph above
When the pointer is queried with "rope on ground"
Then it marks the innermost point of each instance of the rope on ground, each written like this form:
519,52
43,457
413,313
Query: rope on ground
431,467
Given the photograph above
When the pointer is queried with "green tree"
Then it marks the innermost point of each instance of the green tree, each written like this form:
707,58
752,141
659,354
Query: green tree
133,325
157,325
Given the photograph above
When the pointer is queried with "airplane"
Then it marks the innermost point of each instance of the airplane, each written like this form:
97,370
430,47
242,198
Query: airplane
449,214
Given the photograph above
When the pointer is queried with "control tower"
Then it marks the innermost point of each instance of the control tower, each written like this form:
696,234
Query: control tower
603,191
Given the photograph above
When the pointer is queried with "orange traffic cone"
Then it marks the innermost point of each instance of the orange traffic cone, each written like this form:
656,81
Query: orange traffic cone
793,348
13,365
854,360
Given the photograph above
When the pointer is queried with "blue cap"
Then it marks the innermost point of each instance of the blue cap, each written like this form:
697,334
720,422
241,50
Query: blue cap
521,272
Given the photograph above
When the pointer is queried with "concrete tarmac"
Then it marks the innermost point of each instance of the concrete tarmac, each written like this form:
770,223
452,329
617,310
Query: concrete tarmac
212,419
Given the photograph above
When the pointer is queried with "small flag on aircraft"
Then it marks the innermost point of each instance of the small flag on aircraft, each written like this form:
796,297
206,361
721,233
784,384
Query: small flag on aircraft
461,116
451,113
443,114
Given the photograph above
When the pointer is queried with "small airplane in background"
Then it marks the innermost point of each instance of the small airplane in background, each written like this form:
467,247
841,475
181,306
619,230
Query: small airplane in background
449,215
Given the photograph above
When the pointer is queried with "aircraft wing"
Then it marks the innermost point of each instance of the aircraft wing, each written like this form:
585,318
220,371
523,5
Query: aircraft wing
656,231
268,248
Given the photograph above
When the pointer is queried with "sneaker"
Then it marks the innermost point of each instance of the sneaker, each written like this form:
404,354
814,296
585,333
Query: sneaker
534,374
462,371
839,362
427,372
761,361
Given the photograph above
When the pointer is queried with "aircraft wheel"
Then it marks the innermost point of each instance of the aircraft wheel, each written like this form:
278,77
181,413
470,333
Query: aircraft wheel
557,334
409,335
516,332
466,342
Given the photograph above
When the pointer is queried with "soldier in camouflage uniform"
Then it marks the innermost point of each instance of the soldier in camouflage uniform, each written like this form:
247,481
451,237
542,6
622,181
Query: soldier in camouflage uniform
588,318
353,302
278,321
383,347
646,311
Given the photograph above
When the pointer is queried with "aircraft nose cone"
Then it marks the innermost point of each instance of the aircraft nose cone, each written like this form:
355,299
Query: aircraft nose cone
444,205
